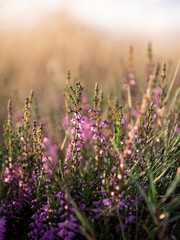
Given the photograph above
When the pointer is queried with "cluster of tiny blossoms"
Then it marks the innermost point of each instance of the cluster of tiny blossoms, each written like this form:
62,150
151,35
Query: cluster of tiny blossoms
93,186
77,141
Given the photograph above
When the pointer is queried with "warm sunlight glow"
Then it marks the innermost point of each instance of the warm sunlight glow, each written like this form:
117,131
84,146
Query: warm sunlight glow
129,16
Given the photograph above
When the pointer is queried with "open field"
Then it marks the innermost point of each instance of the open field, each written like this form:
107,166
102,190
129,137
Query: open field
38,57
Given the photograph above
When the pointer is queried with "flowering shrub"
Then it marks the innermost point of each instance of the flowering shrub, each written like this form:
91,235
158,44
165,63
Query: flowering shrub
115,176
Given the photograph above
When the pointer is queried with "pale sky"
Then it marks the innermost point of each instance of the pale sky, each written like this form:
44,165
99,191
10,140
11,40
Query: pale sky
111,15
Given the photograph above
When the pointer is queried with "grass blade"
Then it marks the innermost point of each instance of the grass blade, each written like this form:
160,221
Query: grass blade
152,185
149,204
172,186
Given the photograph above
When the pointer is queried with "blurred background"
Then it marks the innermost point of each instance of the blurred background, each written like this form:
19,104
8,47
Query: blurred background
41,39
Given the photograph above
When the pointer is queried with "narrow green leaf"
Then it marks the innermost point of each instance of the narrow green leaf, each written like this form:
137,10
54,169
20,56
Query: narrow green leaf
170,206
121,224
129,97
116,131
148,232
174,99
172,82
173,219
149,204
82,218
152,185
172,187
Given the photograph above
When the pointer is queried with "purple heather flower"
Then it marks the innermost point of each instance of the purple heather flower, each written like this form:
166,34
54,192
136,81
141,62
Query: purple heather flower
83,120
60,195
74,121
48,235
106,123
103,138
97,203
70,224
113,169
121,205
95,136
87,134
103,193
131,219
177,131
70,235
125,121
172,237
2,227
63,232
35,216
79,147
93,128
135,112
157,92
53,151
111,181
101,152
7,175
73,142
69,152
67,160
32,225
107,202
96,148
77,116
118,228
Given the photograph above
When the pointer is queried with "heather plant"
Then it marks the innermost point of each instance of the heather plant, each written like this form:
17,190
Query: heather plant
114,176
